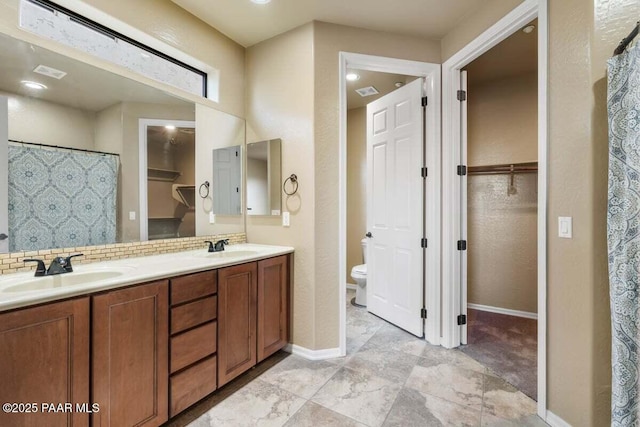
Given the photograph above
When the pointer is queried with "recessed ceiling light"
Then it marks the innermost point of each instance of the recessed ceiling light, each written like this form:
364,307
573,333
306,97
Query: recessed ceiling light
260,1
170,127
33,85
352,77
528,29
398,84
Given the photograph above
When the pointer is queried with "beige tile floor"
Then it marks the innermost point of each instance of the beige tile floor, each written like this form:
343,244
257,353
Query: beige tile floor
388,378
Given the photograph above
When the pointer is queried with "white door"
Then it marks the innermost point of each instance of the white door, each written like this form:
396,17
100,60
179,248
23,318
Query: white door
463,204
227,181
395,194
4,175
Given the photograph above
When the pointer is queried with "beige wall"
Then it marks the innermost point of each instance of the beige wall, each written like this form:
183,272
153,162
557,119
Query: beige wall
35,120
279,87
329,40
503,120
215,129
502,227
356,186
474,24
582,35
292,93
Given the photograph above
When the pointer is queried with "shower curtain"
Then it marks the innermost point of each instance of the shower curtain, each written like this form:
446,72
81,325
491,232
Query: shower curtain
623,233
61,198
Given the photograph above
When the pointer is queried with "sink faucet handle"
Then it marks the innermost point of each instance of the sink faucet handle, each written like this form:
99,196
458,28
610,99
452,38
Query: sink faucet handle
41,270
67,262
210,245
219,245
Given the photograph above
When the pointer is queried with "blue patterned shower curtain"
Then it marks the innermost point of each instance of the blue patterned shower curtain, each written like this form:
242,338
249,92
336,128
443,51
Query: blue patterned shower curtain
61,198
623,233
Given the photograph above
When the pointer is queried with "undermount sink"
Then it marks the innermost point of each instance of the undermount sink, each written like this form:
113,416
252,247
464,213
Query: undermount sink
229,254
63,280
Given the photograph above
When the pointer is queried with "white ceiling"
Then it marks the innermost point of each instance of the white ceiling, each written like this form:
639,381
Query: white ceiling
84,87
383,82
248,23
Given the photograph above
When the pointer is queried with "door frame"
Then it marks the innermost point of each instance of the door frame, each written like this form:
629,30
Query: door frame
4,173
452,214
143,124
432,74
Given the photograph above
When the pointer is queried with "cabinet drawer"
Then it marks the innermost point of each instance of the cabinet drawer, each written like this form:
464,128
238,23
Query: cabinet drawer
191,346
193,286
193,314
192,384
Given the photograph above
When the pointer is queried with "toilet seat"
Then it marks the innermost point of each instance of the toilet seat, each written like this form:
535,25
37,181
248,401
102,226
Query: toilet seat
359,271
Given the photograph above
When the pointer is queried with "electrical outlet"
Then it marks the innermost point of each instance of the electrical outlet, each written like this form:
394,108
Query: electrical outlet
132,215
212,218
286,220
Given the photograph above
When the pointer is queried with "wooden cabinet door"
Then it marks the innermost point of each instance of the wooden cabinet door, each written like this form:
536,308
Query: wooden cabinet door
44,358
273,301
237,294
130,356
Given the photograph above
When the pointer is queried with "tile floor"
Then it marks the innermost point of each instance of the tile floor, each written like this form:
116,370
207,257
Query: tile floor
388,378
507,345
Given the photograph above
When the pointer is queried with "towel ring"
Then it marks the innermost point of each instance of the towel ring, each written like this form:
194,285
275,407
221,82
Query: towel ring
206,187
294,182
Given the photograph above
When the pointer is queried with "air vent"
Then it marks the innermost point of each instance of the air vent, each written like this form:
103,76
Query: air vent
367,91
49,72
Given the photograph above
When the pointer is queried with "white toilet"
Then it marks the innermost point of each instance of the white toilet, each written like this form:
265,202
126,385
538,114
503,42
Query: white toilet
359,274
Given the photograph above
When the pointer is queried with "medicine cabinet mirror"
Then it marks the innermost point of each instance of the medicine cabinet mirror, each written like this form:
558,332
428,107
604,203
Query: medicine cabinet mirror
264,177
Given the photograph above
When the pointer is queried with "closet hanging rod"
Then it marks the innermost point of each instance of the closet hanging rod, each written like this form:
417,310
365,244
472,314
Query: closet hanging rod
529,167
625,41
104,153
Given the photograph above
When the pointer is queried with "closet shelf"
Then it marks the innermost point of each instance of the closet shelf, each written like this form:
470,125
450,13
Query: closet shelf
155,174
185,194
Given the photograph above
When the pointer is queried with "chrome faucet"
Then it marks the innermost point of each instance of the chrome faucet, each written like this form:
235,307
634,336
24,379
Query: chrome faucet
59,265
217,246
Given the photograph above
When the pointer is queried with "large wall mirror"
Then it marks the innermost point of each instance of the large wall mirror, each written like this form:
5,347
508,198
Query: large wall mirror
264,177
77,175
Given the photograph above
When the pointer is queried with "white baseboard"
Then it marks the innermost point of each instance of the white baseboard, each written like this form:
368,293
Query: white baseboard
327,353
352,286
507,311
555,421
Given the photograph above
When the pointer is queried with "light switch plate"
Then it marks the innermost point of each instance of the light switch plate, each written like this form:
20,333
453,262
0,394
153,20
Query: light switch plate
212,218
565,227
132,215
286,220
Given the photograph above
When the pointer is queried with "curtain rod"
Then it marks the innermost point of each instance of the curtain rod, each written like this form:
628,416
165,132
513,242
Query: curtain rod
625,41
528,167
104,153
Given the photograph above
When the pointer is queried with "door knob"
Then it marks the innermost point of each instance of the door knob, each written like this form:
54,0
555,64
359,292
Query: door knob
3,236
369,235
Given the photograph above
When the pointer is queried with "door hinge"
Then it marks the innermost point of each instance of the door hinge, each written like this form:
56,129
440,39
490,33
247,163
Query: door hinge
423,313
237,189
424,101
462,170
423,242
236,153
423,172
462,245
462,319
461,95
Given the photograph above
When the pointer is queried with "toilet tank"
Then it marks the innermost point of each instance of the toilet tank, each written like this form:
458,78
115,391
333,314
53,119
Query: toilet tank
363,243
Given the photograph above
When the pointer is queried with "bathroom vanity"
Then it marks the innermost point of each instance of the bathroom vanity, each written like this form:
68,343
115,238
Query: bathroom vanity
140,347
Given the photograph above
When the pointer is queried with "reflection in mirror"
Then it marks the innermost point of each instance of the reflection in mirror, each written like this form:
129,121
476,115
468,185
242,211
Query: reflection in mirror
227,181
264,177
80,185
171,180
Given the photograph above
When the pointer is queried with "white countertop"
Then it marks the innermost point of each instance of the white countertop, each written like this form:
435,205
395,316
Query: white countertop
126,272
